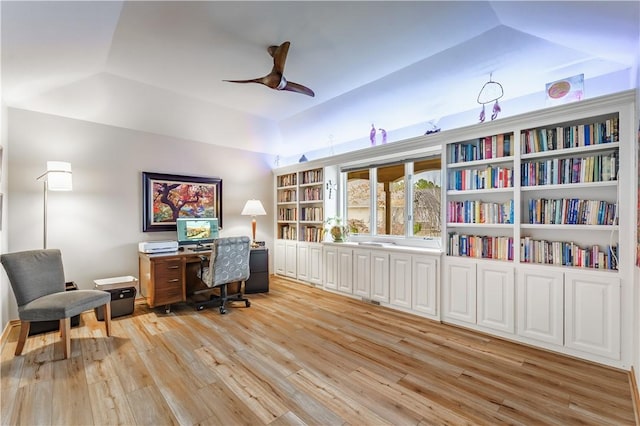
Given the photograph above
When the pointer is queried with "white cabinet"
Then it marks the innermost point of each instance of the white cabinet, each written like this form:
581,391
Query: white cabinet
400,279
425,285
540,304
459,290
592,313
379,276
280,257
496,296
480,293
291,259
345,270
330,264
302,271
315,263
362,273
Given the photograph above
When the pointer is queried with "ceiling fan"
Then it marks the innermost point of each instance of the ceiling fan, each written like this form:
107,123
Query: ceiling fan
275,79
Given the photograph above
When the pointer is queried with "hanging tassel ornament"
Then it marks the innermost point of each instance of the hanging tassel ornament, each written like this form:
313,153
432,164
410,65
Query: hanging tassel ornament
496,110
491,91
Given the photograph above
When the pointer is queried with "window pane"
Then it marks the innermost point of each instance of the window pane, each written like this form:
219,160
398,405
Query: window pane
358,202
426,198
391,200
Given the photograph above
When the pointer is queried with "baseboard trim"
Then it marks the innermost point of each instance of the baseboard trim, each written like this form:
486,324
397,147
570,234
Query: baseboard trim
7,329
635,395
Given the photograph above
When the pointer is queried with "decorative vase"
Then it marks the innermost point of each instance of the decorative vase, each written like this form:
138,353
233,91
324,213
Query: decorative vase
337,233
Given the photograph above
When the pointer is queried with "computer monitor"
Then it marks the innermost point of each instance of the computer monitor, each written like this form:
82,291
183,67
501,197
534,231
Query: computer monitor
196,231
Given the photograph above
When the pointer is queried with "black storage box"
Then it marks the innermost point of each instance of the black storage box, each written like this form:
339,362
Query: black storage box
38,327
122,302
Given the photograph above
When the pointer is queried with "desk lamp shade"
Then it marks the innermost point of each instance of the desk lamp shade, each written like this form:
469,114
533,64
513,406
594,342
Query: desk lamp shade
253,208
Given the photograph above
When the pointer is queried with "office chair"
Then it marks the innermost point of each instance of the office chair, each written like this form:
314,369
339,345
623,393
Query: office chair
228,263
37,279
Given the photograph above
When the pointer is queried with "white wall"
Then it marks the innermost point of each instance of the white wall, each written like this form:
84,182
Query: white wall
98,225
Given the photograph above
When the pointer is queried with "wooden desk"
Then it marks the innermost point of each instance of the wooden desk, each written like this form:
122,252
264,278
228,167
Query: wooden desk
167,278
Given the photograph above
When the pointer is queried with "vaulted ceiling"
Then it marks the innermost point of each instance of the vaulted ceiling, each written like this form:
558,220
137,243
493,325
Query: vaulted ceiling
159,66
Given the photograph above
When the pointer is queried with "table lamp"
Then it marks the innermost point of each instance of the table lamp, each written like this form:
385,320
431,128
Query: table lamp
253,208
57,178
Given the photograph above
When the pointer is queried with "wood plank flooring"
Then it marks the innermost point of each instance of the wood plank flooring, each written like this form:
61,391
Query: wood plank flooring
298,356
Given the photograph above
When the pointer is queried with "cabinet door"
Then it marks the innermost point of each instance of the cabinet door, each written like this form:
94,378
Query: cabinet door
362,273
315,264
380,276
330,264
281,256
540,304
592,313
400,279
291,256
425,284
496,297
459,291
345,270
303,262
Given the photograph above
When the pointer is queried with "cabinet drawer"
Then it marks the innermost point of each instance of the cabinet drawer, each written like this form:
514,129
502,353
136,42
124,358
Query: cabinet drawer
168,295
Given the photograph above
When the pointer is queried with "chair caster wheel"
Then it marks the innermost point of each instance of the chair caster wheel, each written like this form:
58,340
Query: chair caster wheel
223,310
247,304
199,307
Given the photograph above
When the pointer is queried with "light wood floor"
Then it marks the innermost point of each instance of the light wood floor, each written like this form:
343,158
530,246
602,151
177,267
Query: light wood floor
298,355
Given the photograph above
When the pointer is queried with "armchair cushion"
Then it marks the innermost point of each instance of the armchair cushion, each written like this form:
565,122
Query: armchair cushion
62,305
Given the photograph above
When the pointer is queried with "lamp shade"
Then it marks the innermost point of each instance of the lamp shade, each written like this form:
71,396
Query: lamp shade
253,208
58,176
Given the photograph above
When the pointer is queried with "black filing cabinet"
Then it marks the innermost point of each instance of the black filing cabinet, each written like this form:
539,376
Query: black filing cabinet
258,281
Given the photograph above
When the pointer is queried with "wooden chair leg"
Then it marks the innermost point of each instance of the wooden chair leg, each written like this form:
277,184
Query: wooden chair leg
24,333
107,318
65,335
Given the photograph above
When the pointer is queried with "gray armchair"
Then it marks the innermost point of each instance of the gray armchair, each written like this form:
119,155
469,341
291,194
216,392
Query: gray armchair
37,279
228,263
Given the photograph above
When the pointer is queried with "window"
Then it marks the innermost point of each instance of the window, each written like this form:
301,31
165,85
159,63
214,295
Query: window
426,198
358,201
405,203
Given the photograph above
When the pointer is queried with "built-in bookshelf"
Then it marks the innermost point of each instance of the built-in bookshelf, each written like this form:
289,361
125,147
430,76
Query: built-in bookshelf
300,205
535,203
480,203
569,185
287,205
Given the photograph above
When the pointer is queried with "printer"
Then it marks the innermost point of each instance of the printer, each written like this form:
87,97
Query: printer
157,246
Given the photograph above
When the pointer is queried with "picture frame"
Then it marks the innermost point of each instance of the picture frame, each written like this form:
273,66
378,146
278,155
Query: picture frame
167,197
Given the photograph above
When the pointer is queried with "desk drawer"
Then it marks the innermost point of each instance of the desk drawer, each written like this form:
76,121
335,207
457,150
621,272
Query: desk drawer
168,281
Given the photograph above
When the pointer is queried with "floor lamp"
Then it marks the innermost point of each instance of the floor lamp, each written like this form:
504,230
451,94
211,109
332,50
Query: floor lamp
56,178
253,208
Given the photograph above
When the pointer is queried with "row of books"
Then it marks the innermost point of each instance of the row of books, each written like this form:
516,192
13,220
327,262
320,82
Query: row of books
287,195
288,232
312,194
312,176
486,178
596,168
540,140
313,234
479,212
485,247
568,254
312,214
287,180
571,211
287,214
481,149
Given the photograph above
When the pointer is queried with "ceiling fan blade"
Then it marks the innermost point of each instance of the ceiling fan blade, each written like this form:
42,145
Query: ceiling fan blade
298,88
279,54
271,80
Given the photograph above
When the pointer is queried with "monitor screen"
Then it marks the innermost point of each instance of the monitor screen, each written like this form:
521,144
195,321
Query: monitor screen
196,230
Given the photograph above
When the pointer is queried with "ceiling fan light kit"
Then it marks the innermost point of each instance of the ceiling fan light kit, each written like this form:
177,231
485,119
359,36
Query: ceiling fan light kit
275,79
